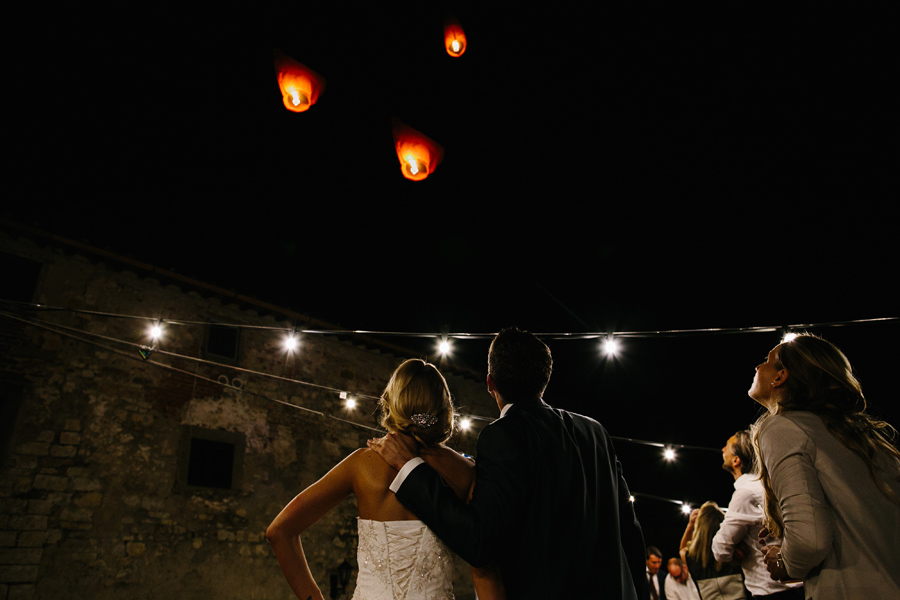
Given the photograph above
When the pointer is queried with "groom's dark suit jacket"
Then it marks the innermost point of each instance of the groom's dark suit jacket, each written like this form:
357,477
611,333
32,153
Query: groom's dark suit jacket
550,508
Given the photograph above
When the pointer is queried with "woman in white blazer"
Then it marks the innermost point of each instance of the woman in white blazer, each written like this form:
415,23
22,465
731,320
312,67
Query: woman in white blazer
830,473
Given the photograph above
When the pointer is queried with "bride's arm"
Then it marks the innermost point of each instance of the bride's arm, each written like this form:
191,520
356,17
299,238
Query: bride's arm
309,506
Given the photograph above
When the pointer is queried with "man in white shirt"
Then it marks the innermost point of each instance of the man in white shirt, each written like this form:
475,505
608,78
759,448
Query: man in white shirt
679,585
737,536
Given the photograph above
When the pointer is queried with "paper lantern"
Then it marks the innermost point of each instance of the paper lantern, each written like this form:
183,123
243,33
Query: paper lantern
300,86
454,38
419,155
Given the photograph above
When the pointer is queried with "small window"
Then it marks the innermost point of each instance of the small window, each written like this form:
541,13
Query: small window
210,458
211,464
222,342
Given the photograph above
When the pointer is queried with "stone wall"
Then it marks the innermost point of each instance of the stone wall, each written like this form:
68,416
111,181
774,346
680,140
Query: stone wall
94,500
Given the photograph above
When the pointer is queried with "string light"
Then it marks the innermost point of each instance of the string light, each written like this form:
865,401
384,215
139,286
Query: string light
465,424
444,347
669,454
681,503
611,346
350,403
155,332
790,335
291,342
466,335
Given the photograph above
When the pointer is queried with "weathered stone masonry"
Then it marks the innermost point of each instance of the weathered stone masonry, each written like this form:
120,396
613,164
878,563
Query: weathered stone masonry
93,502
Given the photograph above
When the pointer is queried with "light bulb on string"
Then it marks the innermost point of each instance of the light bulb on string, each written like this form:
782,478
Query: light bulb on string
631,499
444,347
465,424
155,331
611,346
788,336
350,403
686,508
669,454
291,342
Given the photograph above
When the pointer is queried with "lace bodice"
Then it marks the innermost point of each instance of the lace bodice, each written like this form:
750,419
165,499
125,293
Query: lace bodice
402,560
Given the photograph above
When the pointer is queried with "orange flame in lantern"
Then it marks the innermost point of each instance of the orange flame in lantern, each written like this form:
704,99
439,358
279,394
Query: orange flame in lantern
419,155
300,86
454,38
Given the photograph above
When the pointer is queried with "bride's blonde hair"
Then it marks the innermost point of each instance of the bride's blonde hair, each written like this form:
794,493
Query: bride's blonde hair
417,401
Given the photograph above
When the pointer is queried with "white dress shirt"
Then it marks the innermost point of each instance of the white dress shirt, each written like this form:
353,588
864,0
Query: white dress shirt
681,591
742,523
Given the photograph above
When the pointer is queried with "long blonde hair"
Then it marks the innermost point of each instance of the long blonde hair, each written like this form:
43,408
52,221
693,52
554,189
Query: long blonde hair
705,527
416,400
820,380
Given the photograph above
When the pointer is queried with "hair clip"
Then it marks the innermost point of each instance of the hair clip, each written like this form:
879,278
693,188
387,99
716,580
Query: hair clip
423,420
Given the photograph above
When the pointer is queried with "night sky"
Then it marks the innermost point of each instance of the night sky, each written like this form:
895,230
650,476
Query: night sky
602,173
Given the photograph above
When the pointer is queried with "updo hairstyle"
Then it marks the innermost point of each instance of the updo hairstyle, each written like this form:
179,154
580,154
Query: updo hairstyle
418,388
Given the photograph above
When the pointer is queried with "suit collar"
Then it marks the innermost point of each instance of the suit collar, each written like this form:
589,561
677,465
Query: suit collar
523,406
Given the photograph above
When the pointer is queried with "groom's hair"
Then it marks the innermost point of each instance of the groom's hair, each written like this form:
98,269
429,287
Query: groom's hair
519,365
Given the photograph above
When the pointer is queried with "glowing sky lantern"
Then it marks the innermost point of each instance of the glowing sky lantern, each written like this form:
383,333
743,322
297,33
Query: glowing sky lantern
300,86
454,38
419,155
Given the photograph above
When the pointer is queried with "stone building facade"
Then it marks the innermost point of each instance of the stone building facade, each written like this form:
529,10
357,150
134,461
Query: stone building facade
135,473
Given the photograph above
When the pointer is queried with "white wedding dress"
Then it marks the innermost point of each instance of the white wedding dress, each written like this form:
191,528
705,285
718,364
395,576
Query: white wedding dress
402,560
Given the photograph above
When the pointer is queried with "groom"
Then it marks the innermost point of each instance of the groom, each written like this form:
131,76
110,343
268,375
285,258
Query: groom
550,506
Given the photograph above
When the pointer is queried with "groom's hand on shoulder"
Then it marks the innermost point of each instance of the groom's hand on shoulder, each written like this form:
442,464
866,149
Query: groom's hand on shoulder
395,448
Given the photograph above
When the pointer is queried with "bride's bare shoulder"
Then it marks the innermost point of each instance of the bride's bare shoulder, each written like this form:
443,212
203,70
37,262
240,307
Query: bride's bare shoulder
369,463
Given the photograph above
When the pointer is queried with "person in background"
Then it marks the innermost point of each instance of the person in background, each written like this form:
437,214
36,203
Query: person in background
736,538
714,579
656,579
831,475
679,585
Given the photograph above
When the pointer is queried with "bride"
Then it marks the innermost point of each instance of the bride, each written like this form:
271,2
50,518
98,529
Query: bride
399,558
